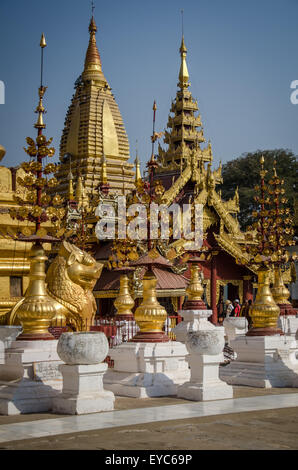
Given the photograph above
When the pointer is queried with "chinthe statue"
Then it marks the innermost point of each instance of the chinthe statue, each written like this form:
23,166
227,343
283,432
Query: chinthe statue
70,280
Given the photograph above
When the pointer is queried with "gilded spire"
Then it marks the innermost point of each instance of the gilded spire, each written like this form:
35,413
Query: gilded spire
183,73
185,134
92,69
138,175
40,110
81,196
94,127
70,186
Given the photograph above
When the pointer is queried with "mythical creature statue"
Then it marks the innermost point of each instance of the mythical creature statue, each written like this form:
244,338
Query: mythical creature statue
70,280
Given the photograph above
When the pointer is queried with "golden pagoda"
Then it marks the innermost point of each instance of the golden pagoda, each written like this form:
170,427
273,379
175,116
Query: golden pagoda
93,129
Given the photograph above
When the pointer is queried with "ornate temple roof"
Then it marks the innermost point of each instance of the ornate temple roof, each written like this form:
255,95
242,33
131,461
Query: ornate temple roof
93,129
186,174
185,134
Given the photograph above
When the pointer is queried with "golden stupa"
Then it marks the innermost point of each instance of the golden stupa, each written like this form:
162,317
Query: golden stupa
93,129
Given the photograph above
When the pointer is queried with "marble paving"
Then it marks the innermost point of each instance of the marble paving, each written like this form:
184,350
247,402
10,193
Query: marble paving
111,419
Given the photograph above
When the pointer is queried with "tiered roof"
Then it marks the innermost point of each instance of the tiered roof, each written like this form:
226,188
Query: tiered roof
185,134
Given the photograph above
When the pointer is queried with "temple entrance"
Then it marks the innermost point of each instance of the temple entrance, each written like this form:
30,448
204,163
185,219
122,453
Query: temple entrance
232,292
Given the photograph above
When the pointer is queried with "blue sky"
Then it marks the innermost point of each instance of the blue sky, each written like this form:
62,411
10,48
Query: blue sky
242,57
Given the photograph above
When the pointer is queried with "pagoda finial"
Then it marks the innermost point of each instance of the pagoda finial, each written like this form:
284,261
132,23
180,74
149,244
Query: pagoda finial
92,69
40,110
70,183
183,73
138,175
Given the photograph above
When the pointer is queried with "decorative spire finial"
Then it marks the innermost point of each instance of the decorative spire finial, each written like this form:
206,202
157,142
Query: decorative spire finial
183,73
42,89
92,69
138,175
70,183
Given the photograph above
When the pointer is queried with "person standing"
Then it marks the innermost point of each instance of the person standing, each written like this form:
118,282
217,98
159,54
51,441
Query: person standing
237,308
229,308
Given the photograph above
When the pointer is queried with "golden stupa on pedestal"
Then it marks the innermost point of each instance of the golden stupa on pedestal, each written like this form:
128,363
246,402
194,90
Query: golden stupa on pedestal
265,311
273,235
37,309
150,316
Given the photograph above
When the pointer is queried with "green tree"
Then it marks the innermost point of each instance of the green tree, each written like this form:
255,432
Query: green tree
244,172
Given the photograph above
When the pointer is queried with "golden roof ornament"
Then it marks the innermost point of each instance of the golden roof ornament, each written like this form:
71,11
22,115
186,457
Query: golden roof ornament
273,234
93,68
138,175
186,130
183,73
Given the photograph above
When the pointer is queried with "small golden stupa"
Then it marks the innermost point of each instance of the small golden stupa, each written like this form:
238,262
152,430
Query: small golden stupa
265,311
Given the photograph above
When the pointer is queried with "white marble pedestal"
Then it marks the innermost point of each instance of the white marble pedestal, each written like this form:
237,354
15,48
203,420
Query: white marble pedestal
29,377
8,334
204,383
205,343
262,361
288,324
144,370
83,390
235,326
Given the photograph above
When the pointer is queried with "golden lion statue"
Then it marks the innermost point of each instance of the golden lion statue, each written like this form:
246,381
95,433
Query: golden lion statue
70,280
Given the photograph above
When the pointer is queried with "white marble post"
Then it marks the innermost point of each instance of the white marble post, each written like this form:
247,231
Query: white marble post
235,326
288,324
83,372
8,334
205,343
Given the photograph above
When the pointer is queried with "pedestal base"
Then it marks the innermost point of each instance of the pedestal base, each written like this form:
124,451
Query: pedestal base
264,332
143,370
262,361
150,337
83,390
205,383
29,377
234,326
288,324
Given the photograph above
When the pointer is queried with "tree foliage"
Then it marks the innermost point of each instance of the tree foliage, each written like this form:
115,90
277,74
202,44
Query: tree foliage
244,172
